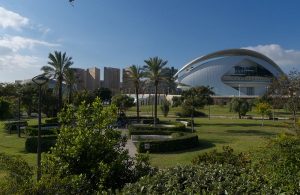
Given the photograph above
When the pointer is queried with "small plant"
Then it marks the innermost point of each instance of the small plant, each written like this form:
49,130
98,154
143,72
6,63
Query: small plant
263,108
165,107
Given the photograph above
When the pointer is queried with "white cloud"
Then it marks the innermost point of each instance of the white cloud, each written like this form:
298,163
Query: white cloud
16,61
9,19
283,57
11,56
16,43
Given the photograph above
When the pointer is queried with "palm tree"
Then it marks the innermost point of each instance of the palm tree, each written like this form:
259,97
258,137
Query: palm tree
70,79
57,67
154,71
135,73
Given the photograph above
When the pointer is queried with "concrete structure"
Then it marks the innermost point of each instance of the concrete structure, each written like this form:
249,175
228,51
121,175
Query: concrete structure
232,72
87,79
112,79
127,85
92,79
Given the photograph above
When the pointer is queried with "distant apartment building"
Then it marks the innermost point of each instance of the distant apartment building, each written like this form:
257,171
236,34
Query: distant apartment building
87,79
127,85
92,78
112,79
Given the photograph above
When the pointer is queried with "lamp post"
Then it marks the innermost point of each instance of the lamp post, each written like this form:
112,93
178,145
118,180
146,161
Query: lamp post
39,80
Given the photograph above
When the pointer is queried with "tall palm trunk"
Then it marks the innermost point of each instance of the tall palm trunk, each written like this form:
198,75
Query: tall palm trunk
155,105
70,95
137,104
59,94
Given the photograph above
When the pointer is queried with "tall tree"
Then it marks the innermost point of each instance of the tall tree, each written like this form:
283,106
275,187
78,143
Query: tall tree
135,73
57,68
154,71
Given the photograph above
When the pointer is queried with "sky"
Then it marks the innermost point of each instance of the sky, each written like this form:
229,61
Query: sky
120,33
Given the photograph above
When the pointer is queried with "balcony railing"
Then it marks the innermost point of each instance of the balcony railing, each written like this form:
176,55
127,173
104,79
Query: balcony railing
246,78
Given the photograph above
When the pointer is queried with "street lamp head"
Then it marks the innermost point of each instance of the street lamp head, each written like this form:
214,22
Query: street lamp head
40,79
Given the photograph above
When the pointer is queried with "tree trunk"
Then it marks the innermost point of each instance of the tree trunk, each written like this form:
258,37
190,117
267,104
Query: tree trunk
137,104
59,94
70,95
155,105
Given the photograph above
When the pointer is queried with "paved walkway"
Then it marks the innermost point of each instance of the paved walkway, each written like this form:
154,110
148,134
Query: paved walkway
129,144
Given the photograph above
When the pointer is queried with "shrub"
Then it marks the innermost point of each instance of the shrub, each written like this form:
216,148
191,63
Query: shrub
53,120
174,126
46,143
178,143
32,131
225,157
165,107
188,113
149,132
13,125
18,175
5,109
202,179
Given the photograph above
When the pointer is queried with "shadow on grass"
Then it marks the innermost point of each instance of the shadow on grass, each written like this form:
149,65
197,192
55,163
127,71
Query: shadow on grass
251,132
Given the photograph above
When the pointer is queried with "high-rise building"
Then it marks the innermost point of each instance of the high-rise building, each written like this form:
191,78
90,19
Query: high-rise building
92,78
87,79
127,85
80,75
112,79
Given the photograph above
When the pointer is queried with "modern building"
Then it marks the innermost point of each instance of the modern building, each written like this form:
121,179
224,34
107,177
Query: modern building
88,79
231,72
92,78
112,79
127,85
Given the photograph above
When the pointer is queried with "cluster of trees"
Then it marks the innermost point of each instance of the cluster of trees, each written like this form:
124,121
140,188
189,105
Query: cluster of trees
153,73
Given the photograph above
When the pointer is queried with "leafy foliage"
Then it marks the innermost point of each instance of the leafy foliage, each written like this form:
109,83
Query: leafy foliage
263,108
104,94
154,72
165,107
5,109
58,66
18,177
240,106
123,102
89,155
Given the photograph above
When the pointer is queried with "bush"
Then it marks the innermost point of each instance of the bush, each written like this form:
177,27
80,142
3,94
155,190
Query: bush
178,143
202,179
51,120
225,157
165,107
174,126
13,125
46,126
46,143
17,177
149,132
32,131
188,113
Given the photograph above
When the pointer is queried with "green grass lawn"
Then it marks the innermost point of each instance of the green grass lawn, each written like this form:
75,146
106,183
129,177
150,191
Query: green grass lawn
12,144
241,134
214,110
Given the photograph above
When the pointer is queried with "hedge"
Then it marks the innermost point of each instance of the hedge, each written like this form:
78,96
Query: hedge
32,131
51,120
149,132
143,119
176,126
13,125
46,143
46,126
189,140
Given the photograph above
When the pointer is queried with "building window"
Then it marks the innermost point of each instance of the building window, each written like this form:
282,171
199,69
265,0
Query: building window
250,91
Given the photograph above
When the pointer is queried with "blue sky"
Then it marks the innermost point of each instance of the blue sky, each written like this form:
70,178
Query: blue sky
119,33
